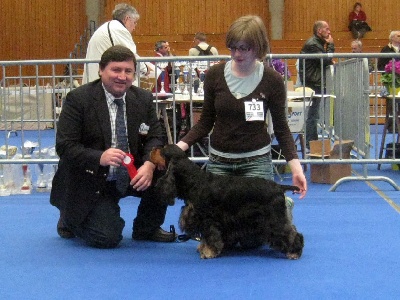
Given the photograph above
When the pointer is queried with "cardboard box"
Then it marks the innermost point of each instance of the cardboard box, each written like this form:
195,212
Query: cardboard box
329,173
297,112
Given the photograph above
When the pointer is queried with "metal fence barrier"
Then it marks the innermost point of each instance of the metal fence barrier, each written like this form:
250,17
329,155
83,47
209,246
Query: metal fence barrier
351,105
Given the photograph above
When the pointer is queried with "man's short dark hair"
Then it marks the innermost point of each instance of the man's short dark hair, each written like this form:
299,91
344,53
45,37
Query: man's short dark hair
159,45
317,25
116,53
201,36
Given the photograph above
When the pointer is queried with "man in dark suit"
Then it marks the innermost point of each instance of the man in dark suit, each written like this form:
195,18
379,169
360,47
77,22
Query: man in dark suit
84,186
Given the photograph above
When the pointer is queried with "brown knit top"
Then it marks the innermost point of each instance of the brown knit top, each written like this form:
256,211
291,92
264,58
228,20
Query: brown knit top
225,115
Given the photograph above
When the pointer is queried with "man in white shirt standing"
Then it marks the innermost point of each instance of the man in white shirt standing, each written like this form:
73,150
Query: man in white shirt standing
115,32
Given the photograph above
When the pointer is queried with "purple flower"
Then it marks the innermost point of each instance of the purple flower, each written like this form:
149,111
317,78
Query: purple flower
389,67
387,78
279,66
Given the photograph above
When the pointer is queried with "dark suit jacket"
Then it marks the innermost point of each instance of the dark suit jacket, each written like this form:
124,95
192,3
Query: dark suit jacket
383,61
84,132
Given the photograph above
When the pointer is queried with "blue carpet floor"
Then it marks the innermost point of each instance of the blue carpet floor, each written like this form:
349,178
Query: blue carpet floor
352,242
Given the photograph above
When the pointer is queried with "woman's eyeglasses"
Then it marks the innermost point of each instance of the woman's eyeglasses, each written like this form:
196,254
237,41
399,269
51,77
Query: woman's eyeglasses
241,49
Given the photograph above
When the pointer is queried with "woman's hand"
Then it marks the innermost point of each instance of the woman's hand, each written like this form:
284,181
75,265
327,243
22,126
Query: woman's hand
182,145
298,177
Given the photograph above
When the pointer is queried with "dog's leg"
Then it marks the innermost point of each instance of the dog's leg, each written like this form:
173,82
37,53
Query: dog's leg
211,243
188,220
297,247
287,241
284,236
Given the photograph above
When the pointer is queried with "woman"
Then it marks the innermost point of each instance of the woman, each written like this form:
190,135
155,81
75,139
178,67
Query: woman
237,96
357,21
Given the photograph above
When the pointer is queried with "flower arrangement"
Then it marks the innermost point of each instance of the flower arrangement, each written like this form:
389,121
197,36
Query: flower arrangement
387,78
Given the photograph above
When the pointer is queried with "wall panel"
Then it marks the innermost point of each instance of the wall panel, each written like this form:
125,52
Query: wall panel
40,29
189,16
178,20
48,29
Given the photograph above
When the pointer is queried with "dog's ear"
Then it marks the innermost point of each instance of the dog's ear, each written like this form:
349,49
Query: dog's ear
166,186
157,158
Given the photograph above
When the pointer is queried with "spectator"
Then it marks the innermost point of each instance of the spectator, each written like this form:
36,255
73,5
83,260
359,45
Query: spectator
162,49
200,40
201,49
321,42
356,47
115,32
392,47
239,140
92,141
357,22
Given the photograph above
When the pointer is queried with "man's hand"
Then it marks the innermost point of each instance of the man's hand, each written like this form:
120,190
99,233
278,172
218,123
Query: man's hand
329,39
144,176
112,157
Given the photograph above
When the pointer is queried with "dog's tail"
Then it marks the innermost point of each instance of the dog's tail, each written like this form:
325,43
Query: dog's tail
286,188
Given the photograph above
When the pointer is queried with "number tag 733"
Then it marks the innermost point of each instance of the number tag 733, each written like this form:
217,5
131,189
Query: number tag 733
254,110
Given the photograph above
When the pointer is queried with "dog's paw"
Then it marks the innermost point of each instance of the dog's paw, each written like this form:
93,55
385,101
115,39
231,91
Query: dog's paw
297,247
292,256
206,251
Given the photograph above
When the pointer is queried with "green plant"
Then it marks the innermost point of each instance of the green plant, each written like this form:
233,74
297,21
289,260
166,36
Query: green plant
388,77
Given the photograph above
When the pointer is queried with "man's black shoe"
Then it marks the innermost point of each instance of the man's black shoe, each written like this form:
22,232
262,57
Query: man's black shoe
159,235
63,231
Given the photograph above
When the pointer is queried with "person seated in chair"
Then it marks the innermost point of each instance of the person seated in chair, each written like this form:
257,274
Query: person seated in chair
357,21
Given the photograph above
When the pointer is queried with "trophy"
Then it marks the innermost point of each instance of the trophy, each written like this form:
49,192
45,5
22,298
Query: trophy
185,79
185,90
162,90
195,82
185,73
200,90
52,154
4,191
6,152
178,74
27,150
202,68
41,185
26,187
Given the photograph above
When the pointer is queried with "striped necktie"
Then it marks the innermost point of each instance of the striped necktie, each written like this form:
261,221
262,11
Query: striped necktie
122,182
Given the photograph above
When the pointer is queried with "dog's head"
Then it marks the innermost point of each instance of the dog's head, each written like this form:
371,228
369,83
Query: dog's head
164,158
